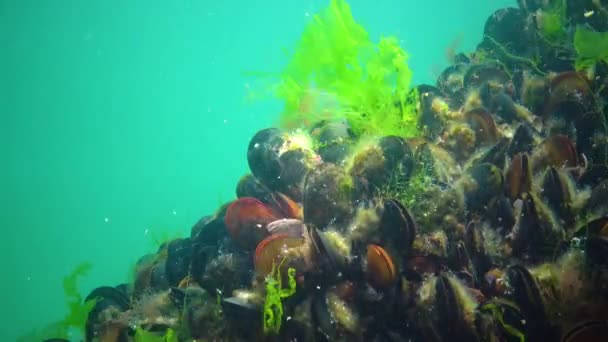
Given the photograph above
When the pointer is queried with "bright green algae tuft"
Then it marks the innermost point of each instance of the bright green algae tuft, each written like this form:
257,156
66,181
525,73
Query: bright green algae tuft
366,83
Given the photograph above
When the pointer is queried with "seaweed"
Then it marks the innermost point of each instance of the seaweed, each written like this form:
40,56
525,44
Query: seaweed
273,307
78,309
367,84
591,47
142,335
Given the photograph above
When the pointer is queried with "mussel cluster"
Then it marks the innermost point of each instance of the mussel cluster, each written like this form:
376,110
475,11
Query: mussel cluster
492,225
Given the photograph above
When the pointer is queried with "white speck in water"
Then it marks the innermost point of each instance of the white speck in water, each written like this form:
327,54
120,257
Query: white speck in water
174,212
28,278
307,14
258,225
208,109
146,231
256,145
106,220
318,287
225,121
289,318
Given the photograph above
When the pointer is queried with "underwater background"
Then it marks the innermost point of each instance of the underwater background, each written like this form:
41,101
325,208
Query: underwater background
124,122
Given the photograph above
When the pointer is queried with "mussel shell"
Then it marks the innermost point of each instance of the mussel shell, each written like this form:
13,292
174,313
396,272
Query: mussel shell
526,295
508,27
587,332
274,251
597,204
557,194
291,227
243,317
263,155
106,297
523,140
398,226
334,139
519,176
398,156
250,186
451,83
327,258
326,196
488,183
177,265
429,119
597,242
569,96
381,271
480,74
246,220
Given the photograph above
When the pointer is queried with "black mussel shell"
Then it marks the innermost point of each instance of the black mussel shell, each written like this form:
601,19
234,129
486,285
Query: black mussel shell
487,73
523,140
508,27
488,183
475,246
249,186
526,295
263,155
179,255
451,83
326,196
105,297
557,194
334,140
430,120
398,156
497,154
398,226
243,317
597,242
587,332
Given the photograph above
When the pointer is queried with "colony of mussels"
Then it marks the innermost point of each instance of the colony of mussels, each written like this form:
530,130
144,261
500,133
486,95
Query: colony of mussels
492,225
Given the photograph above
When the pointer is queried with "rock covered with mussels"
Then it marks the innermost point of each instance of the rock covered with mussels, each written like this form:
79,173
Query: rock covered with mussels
490,225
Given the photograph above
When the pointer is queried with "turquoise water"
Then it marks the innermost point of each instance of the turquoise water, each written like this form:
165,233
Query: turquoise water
123,121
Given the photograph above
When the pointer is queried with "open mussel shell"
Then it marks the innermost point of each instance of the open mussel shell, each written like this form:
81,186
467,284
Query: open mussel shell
279,251
519,176
106,298
246,220
327,195
380,269
327,257
569,96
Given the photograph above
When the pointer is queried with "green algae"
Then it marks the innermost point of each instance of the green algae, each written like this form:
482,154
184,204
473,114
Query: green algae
366,83
78,309
591,47
273,306
142,335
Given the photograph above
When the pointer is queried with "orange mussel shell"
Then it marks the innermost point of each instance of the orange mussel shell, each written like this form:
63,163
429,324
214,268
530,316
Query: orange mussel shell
246,220
274,250
381,271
